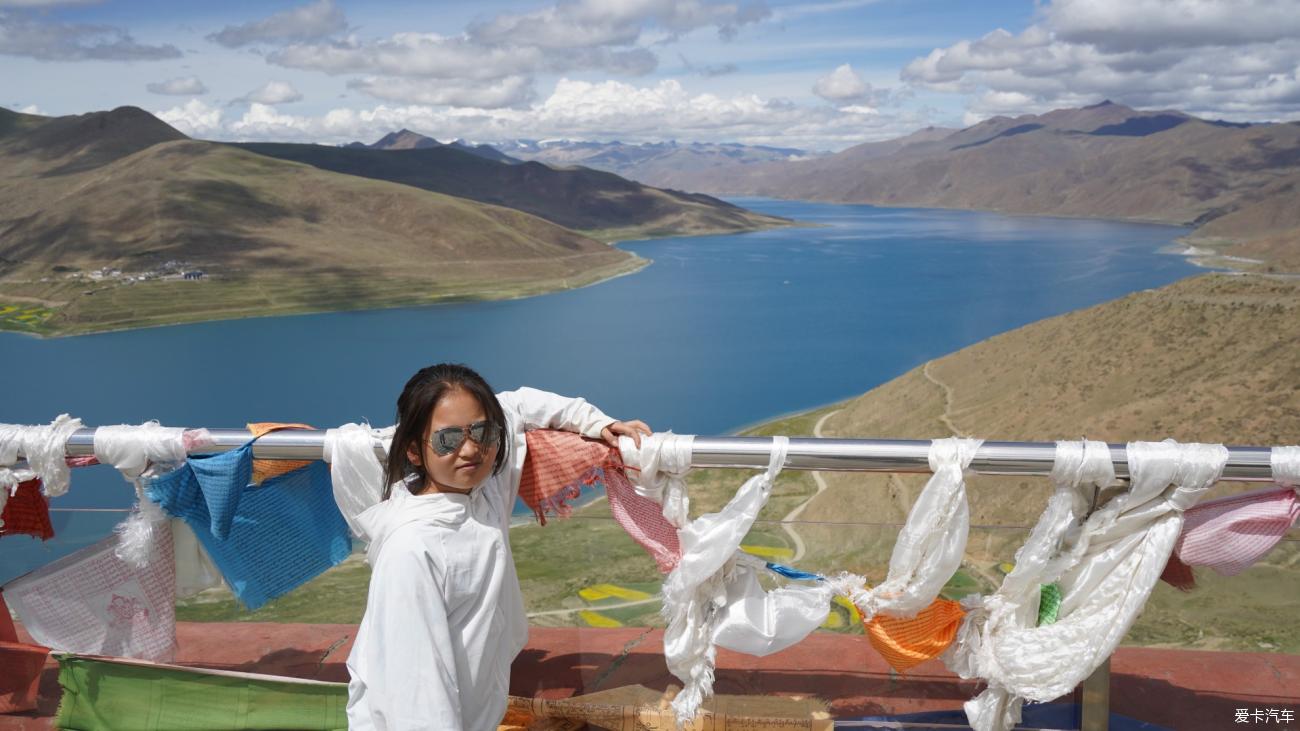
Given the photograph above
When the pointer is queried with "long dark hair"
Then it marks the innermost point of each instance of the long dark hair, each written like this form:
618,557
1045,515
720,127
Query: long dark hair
422,393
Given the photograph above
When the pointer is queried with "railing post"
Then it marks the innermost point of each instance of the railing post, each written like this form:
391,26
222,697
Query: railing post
1094,710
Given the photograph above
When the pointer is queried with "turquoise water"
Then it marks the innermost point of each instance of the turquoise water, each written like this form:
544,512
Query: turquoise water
720,332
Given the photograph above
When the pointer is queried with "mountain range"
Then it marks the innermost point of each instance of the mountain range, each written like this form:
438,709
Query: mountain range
599,203
405,139
99,213
1234,183
663,164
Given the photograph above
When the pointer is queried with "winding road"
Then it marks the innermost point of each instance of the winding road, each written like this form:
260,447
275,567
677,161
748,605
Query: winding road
799,548
946,416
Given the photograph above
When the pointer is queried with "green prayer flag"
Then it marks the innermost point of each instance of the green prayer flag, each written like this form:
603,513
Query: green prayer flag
1049,603
107,694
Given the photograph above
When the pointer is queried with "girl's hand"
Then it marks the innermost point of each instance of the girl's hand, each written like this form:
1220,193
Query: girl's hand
633,429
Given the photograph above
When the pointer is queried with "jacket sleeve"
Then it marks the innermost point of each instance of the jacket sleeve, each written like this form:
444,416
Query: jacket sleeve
535,409
408,661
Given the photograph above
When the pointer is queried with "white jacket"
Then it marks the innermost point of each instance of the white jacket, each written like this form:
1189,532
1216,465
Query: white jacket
444,616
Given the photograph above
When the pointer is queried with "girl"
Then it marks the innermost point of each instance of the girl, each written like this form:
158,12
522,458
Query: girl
444,615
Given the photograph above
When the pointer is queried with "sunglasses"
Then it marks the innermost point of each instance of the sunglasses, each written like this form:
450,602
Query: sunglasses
446,441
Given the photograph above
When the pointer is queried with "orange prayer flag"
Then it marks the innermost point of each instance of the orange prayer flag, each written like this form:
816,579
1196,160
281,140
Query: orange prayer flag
906,643
265,469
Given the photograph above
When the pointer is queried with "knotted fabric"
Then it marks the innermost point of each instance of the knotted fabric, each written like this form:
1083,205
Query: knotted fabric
1233,533
44,447
662,462
131,449
1107,569
759,622
695,589
134,450
356,473
931,543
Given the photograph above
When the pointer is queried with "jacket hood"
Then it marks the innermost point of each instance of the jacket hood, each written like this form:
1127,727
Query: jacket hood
378,523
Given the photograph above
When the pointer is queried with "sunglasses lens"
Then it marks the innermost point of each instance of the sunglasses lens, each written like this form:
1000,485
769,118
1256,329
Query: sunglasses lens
446,441
484,433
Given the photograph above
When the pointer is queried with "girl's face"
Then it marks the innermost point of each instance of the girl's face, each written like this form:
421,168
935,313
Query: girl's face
465,467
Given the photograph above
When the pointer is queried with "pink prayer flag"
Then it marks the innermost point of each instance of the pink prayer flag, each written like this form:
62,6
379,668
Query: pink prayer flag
1232,533
643,520
559,464
92,602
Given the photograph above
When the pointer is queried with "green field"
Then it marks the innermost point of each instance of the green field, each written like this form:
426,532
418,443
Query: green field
103,306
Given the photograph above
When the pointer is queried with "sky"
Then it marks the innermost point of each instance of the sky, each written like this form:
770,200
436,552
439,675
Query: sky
820,75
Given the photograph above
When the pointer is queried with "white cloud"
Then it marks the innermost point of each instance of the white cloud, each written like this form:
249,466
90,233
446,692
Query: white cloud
494,62
576,110
429,55
180,86
194,118
593,23
31,109
505,92
272,92
1236,59
308,22
24,35
1146,25
842,85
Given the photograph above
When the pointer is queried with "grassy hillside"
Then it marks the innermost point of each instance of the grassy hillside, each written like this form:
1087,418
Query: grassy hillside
598,203
121,190
1215,358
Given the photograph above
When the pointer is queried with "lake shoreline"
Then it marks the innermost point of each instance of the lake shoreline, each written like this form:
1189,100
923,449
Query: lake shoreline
520,291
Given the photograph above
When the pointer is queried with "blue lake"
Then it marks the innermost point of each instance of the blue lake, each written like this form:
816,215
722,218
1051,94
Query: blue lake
720,332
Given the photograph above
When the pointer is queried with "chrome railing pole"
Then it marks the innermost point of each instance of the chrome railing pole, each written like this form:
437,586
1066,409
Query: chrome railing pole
1249,464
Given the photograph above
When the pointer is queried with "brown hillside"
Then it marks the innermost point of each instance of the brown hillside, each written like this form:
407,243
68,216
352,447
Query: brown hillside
76,143
594,201
272,236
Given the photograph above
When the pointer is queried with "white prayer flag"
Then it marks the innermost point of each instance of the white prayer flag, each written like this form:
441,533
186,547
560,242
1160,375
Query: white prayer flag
92,602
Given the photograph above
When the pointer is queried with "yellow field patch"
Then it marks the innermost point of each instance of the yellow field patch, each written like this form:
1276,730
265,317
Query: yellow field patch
854,616
596,592
768,551
596,619
25,316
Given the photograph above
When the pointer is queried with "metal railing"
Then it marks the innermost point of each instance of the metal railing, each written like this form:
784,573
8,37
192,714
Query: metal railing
1245,463
1248,464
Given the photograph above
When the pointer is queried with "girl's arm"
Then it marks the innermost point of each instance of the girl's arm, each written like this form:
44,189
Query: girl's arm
535,409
